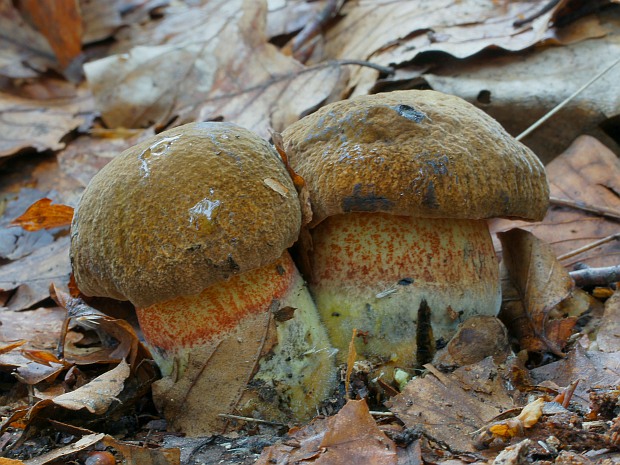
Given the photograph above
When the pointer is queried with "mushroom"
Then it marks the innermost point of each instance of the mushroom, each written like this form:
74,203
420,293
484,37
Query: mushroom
192,226
400,185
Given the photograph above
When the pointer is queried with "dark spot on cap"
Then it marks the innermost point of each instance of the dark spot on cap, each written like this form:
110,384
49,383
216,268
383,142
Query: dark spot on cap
430,199
232,264
365,202
405,281
410,113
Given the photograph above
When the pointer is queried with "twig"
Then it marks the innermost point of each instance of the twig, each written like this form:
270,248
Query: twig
537,14
314,27
601,211
228,416
596,276
589,246
374,413
565,101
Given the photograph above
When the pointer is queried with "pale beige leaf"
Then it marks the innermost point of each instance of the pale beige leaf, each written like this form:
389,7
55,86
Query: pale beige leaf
32,275
67,451
98,394
389,31
40,124
518,89
450,407
198,74
586,172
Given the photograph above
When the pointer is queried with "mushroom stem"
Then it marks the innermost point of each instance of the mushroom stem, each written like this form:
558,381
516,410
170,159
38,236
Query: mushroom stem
370,271
251,345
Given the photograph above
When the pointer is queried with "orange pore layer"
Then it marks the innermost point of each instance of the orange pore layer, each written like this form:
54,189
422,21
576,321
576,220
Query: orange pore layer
364,249
192,320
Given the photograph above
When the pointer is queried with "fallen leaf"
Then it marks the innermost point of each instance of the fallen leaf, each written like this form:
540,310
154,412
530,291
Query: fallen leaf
97,395
21,45
189,76
222,369
541,283
449,407
398,31
61,24
608,336
67,451
518,89
586,172
134,454
43,215
28,123
350,436
32,275
594,369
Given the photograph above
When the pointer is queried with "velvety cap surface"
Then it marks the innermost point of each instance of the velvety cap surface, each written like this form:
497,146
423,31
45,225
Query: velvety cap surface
179,212
415,153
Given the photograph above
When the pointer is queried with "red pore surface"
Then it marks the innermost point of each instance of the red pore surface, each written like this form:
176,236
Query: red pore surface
192,320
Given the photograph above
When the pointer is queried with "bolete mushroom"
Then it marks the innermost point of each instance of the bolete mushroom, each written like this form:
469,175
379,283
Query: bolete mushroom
400,185
192,226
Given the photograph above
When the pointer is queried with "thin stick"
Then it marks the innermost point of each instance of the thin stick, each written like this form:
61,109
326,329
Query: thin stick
249,419
601,211
565,101
596,276
375,413
590,246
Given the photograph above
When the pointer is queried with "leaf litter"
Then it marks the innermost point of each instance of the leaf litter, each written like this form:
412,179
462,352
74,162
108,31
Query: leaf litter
483,402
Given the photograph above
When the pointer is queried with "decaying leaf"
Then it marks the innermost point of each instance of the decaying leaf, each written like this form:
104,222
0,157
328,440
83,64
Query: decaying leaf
133,454
61,24
98,394
406,29
43,215
32,275
449,407
41,124
196,75
350,436
608,336
594,369
541,283
230,363
586,172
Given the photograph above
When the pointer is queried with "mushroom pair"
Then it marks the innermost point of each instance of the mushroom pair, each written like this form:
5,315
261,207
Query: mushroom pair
192,227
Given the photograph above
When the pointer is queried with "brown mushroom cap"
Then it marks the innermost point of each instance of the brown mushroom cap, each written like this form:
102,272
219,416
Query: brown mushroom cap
174,214
414,153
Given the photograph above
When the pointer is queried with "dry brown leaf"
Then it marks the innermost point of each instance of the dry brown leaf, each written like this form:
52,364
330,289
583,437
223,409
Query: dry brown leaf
196,75
518,89
67,451
61,24
141,455
23,49
32,275
99,394
43,215
222,369
388,32
86,155
541,283
586,172
350,436
41,124
451,406
608,336
40,328
593,369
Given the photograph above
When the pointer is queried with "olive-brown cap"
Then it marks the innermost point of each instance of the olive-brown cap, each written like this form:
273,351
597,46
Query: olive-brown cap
414,153
181,211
